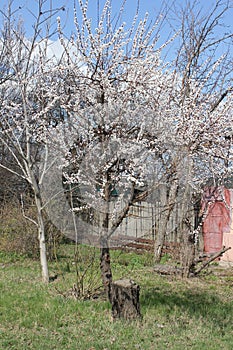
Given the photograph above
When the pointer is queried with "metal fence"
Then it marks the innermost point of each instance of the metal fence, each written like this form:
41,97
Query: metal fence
146,219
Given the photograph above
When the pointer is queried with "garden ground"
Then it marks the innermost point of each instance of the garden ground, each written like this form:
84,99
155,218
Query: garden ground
177,314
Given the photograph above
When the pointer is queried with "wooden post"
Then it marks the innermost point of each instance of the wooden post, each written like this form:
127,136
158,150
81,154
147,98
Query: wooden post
125,299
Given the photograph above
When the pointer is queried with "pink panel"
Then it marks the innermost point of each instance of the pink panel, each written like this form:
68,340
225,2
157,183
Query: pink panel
218,218
228,242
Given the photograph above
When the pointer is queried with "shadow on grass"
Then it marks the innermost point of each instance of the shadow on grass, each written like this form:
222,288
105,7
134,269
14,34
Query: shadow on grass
207,306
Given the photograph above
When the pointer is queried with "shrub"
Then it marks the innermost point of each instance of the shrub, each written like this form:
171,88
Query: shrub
17,234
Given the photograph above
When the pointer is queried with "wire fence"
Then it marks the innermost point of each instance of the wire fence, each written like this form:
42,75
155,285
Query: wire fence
146,220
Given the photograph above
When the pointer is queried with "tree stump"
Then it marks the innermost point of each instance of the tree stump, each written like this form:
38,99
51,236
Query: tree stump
125,299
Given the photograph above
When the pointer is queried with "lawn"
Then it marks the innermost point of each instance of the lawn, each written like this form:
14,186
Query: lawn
177,314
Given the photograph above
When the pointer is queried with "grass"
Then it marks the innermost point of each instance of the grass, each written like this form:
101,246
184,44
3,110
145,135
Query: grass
191,314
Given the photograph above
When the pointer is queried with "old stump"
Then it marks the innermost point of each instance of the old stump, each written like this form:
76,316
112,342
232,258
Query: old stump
125,299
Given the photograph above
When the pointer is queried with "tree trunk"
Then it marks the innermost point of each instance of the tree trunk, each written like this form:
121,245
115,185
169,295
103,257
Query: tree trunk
40,222
159,242
43,254
125,300
167,210
42,243
105,268
43,259
187,254
105,261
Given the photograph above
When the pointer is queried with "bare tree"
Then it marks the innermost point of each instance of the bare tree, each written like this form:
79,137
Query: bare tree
26,93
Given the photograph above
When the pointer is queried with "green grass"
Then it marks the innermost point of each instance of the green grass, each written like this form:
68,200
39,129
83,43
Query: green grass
192,314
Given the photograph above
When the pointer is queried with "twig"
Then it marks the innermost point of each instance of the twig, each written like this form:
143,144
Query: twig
24,215
213,257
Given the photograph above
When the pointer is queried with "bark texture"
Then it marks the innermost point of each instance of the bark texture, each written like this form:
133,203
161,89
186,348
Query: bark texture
106,273
125,300
41,236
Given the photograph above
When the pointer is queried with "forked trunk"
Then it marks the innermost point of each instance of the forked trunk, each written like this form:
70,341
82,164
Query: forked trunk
40,224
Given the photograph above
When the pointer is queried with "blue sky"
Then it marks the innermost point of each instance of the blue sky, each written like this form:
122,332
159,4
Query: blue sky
27,9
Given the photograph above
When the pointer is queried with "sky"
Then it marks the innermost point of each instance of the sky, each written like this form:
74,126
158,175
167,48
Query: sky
28,10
